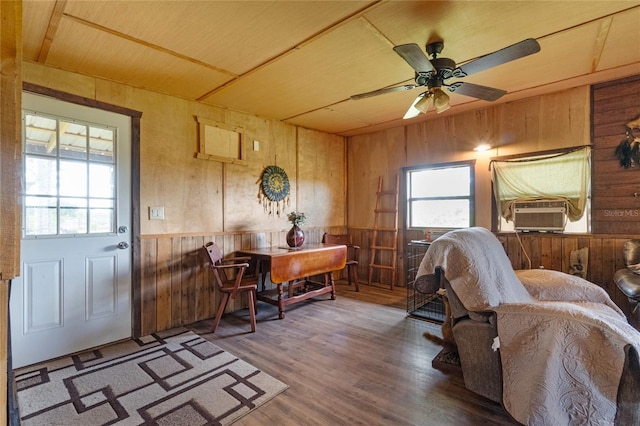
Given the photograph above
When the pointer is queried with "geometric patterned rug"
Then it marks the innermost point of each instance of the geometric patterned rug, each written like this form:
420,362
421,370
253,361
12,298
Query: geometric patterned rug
172,378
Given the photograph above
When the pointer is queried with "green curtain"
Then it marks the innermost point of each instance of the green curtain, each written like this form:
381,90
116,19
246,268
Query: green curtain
564,176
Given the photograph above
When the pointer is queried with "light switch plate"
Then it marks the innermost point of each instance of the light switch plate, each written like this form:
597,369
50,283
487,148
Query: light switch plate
156,213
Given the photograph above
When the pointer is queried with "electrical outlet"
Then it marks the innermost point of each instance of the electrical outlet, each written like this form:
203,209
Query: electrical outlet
156,213
256,145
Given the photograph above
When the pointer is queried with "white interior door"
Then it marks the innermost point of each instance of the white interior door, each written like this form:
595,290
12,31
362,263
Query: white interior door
74,288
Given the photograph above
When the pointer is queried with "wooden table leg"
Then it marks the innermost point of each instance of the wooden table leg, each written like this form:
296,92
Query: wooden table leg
261,272
280,301
328,278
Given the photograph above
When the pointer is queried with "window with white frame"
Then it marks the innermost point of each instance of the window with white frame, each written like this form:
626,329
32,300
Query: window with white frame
440,196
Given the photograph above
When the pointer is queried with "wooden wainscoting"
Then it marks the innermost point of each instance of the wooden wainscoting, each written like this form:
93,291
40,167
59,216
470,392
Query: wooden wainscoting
551,251
176,288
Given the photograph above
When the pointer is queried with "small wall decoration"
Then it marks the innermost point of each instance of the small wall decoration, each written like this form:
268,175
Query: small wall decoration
220,142
628,152
578,262
273,192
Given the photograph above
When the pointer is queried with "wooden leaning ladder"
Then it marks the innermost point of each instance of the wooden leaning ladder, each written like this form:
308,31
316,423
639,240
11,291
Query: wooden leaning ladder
385,236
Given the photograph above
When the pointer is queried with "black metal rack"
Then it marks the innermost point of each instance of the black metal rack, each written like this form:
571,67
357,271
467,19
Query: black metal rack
420,305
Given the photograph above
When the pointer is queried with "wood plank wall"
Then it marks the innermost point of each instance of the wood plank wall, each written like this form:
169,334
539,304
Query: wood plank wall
616,203
612,105
176,287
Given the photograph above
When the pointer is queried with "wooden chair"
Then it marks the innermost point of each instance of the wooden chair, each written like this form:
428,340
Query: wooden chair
353,253
229,288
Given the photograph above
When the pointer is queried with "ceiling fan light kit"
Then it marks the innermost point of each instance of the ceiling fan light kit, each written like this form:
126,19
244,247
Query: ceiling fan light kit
433,72
424,103
441,101
413,110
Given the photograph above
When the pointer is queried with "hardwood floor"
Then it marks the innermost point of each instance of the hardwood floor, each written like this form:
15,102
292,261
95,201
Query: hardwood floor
356,360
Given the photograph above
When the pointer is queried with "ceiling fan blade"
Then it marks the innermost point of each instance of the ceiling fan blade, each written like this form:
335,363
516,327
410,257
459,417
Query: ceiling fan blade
499,57
383,91
476,91
415,57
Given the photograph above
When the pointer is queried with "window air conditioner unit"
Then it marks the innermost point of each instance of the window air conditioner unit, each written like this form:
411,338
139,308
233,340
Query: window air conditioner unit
540,215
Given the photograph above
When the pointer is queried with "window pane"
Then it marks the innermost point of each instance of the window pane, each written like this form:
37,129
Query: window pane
73,216
440,213
73,140
40,176
449,182
40,216
40,135
73,178
101,216
69,176
101,180
101,145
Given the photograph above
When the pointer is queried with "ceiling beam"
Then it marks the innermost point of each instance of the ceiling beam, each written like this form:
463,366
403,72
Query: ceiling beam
605,26
52,28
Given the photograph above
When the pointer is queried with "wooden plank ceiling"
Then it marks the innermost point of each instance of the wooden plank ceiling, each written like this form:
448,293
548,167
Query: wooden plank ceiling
300,61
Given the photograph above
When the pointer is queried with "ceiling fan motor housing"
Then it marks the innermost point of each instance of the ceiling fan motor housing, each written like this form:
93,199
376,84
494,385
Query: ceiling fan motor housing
444,68
422,78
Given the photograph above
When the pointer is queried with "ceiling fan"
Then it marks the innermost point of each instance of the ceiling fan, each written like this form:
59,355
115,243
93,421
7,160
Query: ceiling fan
433,72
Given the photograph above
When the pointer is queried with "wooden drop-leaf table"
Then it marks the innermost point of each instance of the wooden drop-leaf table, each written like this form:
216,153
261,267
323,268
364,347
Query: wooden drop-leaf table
293,269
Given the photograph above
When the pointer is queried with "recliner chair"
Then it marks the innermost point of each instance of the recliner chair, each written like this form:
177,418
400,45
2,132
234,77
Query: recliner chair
528,339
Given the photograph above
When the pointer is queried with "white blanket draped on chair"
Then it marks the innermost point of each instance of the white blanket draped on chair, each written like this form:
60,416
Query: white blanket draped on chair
562,339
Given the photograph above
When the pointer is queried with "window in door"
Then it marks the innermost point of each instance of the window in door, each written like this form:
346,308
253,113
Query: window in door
69,177
440,196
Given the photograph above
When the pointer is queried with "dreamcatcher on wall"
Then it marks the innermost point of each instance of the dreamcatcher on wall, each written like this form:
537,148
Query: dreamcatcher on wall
628,152
273,191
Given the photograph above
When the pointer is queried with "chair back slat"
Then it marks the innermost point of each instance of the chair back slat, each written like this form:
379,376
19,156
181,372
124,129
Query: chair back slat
214,253
336,239
215,258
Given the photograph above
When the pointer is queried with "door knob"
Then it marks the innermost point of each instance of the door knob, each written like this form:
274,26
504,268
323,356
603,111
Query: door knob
123,245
